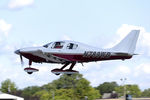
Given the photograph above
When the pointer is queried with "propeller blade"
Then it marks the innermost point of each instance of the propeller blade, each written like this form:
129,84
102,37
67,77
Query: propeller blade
22,63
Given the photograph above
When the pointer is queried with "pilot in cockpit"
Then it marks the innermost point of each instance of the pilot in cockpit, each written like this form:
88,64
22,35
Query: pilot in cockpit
71,46
58,45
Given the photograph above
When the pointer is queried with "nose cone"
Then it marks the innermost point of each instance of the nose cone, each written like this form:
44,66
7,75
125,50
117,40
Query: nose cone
17,52
28,50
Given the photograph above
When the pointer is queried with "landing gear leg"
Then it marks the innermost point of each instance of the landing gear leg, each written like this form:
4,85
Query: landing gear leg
71,67
61,69
64,66
30,63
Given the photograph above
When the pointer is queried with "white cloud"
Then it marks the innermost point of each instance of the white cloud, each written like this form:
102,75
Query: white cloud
123,70
13,4
125,29
65,37
142,69
4,27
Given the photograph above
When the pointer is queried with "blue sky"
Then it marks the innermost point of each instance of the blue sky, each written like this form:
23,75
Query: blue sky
100,23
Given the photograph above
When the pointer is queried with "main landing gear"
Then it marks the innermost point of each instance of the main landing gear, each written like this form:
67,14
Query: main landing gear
67,71
30,70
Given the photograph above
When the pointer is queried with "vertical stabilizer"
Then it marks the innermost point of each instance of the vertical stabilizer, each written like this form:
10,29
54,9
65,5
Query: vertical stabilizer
128,44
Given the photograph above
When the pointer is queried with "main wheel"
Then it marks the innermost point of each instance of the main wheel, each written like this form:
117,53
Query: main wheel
57,74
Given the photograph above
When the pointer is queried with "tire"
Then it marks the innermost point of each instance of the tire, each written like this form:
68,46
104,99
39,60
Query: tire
57,74
29,72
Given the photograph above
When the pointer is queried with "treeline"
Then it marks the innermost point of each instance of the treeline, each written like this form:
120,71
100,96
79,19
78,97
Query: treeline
73,87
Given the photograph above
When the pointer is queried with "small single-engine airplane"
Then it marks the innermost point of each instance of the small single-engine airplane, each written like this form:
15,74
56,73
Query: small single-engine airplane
71,52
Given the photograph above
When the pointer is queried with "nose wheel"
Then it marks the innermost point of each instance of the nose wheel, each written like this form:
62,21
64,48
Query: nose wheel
30,70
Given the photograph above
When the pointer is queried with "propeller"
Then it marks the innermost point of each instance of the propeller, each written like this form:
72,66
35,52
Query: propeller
18,52
21,59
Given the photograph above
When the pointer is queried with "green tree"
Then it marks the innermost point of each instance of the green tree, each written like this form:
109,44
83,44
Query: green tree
8,86
49,86
83,89
64,94
146,93
43,95
66,81
75,85
59,94
130,89
28,92
107,87
93,94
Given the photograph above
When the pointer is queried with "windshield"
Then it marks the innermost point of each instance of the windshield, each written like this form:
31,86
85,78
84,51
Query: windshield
47,45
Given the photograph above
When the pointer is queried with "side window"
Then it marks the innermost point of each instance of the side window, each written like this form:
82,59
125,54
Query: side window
72,46
58,45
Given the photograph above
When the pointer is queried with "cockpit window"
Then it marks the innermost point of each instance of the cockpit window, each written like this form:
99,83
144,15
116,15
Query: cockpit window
47,45
72,46
58,45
